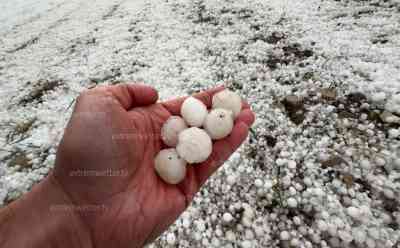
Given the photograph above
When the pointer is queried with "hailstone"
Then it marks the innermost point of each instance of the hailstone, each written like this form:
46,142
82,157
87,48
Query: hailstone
194,112
170,130
194,145
229,100
170,166
219,123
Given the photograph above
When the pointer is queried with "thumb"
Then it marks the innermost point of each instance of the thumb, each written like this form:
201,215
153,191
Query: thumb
132,95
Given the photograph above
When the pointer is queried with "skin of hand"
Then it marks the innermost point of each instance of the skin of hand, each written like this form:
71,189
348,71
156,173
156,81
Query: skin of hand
105,173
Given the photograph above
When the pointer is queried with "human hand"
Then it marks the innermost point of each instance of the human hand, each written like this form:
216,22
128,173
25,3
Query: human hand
106,158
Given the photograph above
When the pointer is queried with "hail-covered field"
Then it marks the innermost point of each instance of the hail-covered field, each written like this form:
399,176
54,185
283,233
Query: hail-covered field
321,167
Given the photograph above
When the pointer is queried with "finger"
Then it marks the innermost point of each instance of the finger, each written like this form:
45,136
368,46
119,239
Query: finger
245,105
174,105
246,116
222,150
133,95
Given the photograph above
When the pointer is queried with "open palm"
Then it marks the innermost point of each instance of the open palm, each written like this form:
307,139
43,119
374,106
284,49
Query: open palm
105,163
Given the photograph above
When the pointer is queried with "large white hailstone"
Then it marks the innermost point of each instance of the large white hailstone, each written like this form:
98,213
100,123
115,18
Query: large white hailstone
229,100
219,123
171,129
194,112
170,166
194,145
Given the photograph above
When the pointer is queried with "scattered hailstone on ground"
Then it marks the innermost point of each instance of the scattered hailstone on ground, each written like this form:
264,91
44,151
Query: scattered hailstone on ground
292,203
394,133
171,238
194,112
353,212
229,100
171,129
227,217
219,123
230,179
285,235
170,166
378,96
393,105
194,145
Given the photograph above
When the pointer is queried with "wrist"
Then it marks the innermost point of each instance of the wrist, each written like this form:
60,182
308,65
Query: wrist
44,217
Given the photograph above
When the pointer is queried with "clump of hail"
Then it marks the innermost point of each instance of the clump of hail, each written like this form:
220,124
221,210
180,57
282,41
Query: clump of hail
170,166
228,100
171,129
193,144
219,123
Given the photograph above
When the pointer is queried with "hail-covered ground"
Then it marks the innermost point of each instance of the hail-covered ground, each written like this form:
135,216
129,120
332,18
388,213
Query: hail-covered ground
321,167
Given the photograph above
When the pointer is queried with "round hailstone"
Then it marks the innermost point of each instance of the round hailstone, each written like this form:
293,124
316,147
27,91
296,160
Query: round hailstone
229,100
171,238
258,183
194,112
284,235
246,244
294,242
396,163
230,179
227,217
345,236
322,225
194,145
353,212
292,203
170,166
359,235
171,129
380,161
219,123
